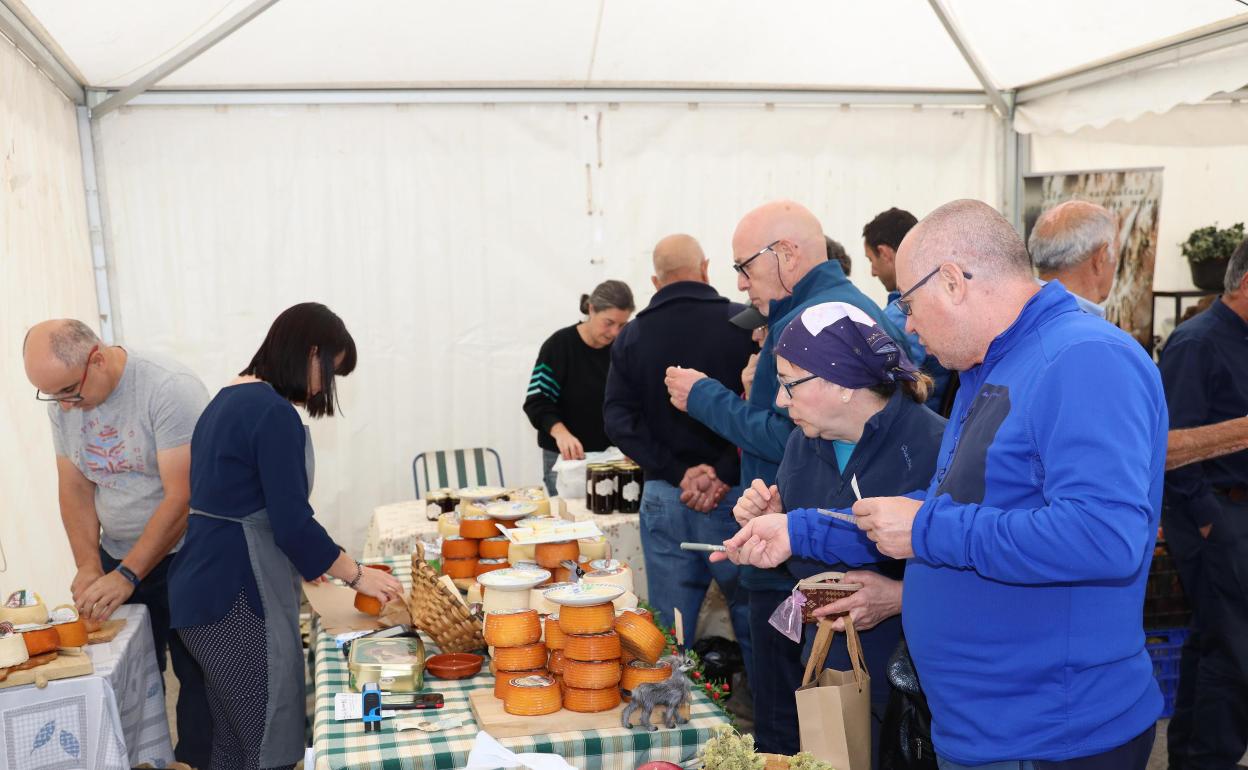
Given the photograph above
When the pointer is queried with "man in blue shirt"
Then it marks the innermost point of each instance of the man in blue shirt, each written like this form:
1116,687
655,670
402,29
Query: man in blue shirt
1205,370
1030,548
880,239
780,256
1076,242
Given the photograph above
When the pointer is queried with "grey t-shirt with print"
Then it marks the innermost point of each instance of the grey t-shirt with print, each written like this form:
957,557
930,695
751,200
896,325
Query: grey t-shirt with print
154,407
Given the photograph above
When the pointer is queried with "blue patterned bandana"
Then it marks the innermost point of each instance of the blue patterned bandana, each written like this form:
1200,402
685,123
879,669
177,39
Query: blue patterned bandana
841,344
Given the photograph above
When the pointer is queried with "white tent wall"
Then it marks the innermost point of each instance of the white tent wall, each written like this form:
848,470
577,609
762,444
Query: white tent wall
454,239
1204,151
45,272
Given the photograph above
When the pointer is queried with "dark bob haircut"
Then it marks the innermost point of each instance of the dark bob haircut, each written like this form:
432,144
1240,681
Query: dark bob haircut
282,360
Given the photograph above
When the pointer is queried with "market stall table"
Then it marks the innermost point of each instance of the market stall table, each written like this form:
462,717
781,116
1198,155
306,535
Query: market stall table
113,719
346,745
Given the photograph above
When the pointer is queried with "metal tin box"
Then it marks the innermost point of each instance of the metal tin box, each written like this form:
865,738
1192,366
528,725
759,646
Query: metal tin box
396,664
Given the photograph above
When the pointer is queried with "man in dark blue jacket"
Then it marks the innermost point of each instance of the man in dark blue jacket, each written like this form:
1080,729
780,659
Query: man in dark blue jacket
780,257
1205,371
685,324
1029,550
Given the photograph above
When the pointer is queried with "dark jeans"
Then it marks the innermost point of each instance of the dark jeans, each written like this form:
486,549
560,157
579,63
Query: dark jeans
194,719
1132,755
1210,724
777,661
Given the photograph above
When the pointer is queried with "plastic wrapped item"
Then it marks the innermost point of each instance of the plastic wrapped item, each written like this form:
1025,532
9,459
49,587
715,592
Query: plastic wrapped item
787,619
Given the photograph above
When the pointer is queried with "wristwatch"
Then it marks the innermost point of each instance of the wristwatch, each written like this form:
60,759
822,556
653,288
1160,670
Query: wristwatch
128,574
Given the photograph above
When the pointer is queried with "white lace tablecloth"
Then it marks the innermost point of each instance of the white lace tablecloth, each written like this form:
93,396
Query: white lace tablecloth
113,719
395,528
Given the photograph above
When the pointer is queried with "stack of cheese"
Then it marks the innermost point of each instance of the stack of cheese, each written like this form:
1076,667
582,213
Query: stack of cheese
462,557
519,666
551,556
642,645
590,660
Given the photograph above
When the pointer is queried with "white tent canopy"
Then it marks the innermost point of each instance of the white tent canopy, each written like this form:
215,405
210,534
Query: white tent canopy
450,177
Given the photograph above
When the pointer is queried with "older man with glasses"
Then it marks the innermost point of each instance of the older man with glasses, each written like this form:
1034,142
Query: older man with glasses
780,256
1030,547
121,428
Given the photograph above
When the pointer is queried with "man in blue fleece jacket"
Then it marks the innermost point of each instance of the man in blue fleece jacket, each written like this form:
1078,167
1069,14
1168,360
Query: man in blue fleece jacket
1030,548
780,256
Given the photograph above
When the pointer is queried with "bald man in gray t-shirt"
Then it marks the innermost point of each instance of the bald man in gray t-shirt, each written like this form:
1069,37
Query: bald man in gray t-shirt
121,427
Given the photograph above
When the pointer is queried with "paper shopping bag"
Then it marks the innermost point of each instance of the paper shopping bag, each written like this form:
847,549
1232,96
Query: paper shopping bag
834,707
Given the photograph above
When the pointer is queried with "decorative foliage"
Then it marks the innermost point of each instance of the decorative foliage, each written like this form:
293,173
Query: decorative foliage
807,761
729,750
1210,243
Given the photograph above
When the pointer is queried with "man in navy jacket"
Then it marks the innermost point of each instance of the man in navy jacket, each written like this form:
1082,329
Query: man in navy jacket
1029,550
685,324
780,256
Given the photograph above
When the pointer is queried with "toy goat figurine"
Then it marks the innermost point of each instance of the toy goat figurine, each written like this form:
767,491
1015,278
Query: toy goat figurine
671,693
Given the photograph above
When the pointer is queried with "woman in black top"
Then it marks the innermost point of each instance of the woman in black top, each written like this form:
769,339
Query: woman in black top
564,400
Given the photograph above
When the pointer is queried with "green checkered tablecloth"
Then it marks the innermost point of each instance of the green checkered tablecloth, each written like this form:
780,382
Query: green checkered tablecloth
346,745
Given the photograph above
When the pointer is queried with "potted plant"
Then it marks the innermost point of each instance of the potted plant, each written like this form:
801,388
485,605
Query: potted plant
1208,250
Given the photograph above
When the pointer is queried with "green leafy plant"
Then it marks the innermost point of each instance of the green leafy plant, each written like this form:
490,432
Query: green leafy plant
1210,243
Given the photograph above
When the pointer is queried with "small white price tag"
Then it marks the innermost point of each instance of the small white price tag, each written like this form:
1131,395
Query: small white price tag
680,627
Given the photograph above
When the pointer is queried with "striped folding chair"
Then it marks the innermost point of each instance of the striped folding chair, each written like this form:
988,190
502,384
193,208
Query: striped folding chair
456,468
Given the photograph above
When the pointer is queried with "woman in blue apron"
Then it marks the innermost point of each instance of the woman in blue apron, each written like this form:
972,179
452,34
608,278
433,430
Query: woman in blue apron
251,538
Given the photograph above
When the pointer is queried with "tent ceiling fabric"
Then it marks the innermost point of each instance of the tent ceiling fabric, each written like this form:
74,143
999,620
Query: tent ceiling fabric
645,43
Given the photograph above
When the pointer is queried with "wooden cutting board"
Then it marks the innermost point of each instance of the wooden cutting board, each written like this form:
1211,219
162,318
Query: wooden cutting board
108,631
65,666
491,717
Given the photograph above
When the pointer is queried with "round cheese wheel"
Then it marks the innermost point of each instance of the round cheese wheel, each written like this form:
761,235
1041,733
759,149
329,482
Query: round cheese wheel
562,575
594,547
71,633
517,553
456,547
32,611
640,611
556,662
495,547
529,696
369,605
620,576
489,565
502,600
477,526
589,701
591,675
502,681
39,639
13,651
555,637
551,555
459,568
640,672
521,658
591,619
591,647
640,637
512,628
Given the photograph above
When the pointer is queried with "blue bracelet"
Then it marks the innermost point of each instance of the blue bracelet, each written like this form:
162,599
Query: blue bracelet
128,574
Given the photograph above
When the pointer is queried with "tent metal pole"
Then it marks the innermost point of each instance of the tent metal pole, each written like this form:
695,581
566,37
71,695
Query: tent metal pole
95,226
12,27
1202,42
180,59
561,96
998,101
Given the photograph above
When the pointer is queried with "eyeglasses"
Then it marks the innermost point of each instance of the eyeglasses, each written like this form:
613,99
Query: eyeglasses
740,266
904,305
789,386
76,396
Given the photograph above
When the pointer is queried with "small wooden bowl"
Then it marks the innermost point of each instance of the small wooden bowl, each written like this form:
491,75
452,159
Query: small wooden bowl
454,665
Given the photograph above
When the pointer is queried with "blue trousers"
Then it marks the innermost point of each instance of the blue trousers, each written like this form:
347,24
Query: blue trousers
194,718
774,677
677,579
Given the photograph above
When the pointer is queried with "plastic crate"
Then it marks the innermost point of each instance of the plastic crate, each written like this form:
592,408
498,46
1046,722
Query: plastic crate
1165,606
1165,647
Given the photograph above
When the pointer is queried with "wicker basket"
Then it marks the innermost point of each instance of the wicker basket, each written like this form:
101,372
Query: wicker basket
441,615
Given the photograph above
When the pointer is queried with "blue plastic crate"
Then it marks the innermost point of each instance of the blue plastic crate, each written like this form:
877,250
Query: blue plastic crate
1165,647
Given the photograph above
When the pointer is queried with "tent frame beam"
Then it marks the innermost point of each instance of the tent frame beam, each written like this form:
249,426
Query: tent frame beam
560,96
181,58
12,27
1201,42
994,95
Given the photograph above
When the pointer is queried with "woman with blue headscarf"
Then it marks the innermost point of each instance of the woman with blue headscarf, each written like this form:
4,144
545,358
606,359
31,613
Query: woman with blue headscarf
857,401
